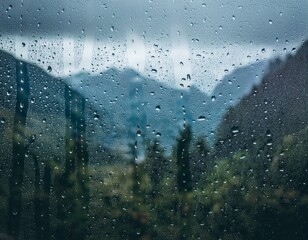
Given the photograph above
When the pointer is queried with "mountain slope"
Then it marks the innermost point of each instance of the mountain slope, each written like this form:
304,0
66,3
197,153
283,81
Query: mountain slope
46,118
152,108
277,107
230,90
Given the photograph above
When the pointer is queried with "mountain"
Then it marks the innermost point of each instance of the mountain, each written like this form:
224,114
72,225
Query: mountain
135,107
154,109
276,108
123,107
239,82
230,90
46,115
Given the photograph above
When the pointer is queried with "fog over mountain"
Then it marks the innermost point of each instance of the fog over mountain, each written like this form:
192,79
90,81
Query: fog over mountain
125,106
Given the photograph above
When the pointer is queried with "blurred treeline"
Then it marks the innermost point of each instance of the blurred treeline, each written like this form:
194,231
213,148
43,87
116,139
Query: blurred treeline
230,198
187,195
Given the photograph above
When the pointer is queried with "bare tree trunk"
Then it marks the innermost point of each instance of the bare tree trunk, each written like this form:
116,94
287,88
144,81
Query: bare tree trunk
82,175
19,149
73,200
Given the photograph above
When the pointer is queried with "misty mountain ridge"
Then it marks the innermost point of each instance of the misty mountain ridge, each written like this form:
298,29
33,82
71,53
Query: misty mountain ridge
125,106
161,108
274,109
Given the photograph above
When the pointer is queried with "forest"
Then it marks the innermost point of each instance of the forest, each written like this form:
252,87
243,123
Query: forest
251,183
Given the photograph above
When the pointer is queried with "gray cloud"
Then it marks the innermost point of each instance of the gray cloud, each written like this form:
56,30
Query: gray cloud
256,21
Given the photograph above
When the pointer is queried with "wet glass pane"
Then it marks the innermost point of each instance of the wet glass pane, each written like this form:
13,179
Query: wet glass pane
153,119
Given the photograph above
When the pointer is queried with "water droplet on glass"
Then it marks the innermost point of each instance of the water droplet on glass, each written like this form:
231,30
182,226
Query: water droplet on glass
201,118
235,130
138,132
96,117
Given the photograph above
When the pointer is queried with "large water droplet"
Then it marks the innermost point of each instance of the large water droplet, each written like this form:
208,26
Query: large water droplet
201,118
96,117
138,132
235,130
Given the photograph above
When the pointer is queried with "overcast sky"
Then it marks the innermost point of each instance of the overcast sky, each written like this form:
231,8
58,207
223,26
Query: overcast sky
197,37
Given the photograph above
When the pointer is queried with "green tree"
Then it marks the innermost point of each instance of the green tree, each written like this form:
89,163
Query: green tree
138,212
42,200
156,165
229,196
199,163
184,181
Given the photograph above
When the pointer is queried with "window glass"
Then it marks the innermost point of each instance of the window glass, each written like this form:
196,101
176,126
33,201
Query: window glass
183,119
